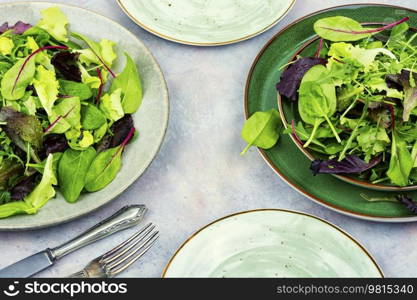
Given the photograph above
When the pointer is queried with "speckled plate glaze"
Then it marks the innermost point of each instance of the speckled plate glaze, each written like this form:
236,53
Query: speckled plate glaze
206,22
271,243
150,120
285,158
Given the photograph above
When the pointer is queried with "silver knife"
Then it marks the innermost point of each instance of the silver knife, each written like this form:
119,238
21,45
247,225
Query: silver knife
126,217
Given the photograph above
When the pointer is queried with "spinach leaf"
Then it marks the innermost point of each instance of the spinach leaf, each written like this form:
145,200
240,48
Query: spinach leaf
317,102
72,171
75,89
401,161
65,115
91,117
129,82
11,90
105,166
103,169
262,130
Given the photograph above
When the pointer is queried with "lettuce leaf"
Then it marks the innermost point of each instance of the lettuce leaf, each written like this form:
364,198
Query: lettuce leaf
44,190
6,45
46,87
54,22
111,105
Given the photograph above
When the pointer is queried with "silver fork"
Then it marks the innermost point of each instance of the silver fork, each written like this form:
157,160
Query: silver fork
120,257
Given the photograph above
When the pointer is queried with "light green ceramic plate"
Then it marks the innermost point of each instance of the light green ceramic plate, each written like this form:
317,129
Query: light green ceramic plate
150,120
271,243
206,22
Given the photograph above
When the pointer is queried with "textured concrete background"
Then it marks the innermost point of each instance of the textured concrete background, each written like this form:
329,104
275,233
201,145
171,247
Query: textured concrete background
199,176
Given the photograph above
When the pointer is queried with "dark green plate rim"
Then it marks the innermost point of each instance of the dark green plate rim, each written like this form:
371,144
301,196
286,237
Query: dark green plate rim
403,216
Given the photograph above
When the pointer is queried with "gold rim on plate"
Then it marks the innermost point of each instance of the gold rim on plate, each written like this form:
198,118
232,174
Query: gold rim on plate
365,251
172,39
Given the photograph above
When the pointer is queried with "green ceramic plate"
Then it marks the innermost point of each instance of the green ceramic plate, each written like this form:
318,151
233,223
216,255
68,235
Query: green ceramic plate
271,243
285,158
150,120
206,23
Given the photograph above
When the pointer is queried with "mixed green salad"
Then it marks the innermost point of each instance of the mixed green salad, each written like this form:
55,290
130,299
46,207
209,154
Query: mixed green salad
65,116
357,101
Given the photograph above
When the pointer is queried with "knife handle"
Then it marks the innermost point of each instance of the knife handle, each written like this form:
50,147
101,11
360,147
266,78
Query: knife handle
126,217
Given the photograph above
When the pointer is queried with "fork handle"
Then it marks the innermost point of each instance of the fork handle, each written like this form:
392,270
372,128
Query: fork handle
126,217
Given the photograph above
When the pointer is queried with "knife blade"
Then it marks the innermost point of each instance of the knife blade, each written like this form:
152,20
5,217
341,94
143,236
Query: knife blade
28,266
126,217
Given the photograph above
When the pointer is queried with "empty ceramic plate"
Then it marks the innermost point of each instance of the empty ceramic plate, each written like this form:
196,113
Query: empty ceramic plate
206,22
271,243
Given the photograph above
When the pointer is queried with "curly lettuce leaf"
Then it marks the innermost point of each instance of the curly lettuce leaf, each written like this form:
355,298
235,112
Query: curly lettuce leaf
54,22
12,90
6,45
111,105
46,87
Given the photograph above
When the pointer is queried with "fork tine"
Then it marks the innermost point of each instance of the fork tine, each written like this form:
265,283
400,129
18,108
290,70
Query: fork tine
139,251
140,244
121,249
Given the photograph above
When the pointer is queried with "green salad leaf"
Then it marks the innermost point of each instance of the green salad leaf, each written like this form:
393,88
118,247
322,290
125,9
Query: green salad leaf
401,161
72,171
8,89
103,169
129,83
75,89
46,87
262,130
54,22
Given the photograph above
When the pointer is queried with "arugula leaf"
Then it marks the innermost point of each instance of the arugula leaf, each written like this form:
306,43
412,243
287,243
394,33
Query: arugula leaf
262,130
72,171
372,140
54,22
129,82
401,161
9,90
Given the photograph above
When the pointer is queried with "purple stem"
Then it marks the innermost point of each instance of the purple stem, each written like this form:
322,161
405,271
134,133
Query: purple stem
100,89
294,133
30,56
57,120
317,55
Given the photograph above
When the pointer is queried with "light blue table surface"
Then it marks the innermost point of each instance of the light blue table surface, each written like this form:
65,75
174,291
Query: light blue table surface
199,176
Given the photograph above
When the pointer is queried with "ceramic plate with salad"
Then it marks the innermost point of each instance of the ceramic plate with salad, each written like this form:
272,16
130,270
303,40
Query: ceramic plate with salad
346,109
75,106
